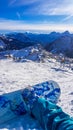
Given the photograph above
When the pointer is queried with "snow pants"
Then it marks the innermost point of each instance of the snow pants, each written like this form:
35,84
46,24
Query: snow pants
51,116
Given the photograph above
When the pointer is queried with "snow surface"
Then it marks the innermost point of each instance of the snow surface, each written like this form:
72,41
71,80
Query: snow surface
17,75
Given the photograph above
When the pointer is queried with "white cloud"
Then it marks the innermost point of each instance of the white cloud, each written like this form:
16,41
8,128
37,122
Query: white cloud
23,26
18,15
47,7
21,2
67,18
64,7
12,2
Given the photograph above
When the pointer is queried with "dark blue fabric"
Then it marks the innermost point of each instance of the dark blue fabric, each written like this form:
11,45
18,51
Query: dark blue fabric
50,116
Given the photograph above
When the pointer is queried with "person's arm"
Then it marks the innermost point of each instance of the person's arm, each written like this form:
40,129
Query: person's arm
50,116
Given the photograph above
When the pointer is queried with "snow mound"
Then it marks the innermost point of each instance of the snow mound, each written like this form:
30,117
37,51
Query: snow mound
34,53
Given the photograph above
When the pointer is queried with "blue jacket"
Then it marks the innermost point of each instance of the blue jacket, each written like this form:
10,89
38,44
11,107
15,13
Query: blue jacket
51,116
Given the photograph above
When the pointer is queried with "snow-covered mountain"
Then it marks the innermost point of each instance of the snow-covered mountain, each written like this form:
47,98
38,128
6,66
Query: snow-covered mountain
34,53
64,45
19,36
16,41
44,39
54,42
21,40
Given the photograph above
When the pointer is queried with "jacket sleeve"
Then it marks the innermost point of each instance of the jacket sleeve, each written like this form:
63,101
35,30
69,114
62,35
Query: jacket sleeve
50,116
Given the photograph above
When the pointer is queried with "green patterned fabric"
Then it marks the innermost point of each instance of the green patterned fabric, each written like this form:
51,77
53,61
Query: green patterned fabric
50,116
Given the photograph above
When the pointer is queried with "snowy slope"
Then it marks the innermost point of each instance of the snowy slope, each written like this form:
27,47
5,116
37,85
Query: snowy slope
17,75
31,53
34,53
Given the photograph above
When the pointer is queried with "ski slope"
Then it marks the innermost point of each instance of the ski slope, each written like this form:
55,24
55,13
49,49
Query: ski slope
17,75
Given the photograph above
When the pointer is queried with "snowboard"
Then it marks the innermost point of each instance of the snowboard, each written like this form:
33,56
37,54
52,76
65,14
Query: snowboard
13,104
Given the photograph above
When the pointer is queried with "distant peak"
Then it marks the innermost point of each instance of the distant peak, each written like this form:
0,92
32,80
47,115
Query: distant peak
53,32
66,32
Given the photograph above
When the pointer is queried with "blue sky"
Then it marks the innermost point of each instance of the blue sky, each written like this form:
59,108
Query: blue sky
39,15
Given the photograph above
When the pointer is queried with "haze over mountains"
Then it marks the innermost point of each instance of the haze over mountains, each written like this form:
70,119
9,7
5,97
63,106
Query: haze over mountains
54,42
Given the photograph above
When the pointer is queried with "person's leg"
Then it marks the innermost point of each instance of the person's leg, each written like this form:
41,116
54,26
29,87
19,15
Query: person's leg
50,116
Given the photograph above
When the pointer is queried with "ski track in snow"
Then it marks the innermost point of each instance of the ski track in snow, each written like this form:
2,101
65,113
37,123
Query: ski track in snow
18,75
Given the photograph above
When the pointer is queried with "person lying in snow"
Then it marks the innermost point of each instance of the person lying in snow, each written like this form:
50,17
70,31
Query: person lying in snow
44,109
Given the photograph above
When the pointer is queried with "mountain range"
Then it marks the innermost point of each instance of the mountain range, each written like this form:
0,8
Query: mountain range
54,42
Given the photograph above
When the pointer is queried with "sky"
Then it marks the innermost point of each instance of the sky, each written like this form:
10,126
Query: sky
36,15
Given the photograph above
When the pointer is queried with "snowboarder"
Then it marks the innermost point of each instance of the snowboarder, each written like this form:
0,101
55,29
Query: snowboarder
40,102
49,115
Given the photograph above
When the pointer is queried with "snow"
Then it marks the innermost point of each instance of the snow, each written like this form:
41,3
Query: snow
34,53
17,75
